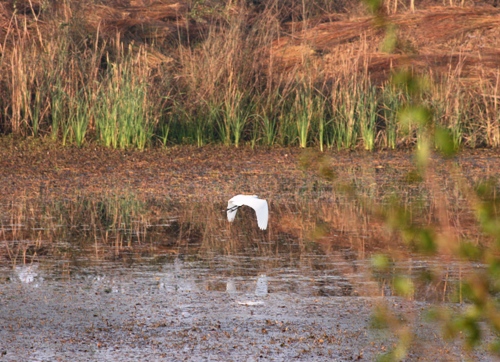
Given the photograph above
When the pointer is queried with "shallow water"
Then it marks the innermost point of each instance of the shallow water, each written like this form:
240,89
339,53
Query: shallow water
222,308
190,287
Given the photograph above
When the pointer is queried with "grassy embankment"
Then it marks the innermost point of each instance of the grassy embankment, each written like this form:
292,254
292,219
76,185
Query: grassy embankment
278,73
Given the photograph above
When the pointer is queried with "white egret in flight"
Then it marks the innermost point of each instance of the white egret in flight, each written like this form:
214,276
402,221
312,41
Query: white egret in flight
259,205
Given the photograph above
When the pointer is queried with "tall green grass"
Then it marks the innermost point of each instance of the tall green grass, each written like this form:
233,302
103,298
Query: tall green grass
222,88
122,111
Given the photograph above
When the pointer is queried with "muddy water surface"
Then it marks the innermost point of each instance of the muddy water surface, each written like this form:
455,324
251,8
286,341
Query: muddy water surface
295,303
114,273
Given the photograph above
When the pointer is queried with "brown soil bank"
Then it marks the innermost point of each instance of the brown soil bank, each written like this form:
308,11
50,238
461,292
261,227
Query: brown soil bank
435,37
214,172
441,40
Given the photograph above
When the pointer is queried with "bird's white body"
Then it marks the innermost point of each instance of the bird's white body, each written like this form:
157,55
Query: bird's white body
259,205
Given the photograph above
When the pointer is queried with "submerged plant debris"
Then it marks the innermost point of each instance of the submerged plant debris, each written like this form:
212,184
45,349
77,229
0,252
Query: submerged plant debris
175,311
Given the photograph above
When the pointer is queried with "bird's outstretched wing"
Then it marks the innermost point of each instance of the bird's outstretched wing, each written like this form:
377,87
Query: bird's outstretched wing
261,210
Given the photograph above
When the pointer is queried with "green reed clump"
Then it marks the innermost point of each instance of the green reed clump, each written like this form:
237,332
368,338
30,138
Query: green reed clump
122,111
300,114
56,87
391,100
322,116
303,113
349,113
268,110
236,114
451,109
367,113
287,131
47,82
194,124
309,112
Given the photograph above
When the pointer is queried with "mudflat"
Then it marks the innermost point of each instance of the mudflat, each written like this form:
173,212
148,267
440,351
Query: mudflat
185,172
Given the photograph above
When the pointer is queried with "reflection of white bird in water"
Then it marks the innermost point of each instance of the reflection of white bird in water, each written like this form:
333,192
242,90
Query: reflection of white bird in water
261,287
230,286
259,205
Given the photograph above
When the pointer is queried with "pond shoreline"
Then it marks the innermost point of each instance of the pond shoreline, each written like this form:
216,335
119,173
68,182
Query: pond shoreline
186,172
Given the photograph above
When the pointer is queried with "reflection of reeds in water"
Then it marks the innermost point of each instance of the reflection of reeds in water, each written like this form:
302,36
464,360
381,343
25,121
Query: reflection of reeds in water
329,219
333,225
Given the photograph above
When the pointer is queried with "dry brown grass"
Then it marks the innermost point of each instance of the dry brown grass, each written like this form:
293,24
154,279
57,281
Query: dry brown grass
432,36
231,71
